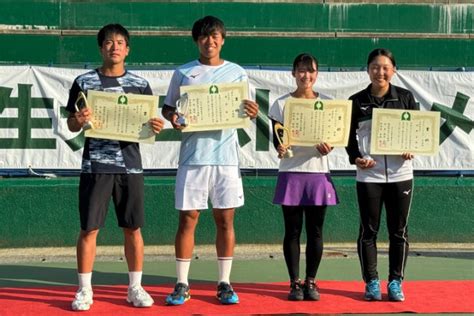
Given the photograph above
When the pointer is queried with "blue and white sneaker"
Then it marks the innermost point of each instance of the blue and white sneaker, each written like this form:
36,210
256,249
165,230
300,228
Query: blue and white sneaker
395,292
226,294
372,291
180,295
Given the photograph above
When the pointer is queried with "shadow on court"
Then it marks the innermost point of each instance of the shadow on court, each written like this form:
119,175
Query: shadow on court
31,276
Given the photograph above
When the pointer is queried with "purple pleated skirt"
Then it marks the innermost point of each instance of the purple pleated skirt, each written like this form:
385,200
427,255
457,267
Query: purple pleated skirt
301,188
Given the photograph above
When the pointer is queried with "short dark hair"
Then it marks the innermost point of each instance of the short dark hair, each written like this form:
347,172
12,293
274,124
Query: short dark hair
381,52
306,60
112,29
206,26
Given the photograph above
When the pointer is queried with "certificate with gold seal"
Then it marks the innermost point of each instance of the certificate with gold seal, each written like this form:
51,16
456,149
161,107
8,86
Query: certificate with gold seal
311,121
397,131
213,106
120,116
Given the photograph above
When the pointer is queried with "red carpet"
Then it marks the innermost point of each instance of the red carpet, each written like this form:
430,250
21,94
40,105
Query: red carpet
337,297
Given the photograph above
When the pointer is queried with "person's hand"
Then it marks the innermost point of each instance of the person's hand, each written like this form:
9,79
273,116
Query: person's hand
173,117
407,156
156,124
83,116
365,163
324,148
281,151
250,108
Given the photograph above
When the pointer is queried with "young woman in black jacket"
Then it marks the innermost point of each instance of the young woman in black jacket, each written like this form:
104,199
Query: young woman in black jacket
381,179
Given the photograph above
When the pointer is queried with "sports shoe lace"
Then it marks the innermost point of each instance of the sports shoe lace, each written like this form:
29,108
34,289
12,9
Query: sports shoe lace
179,290
394,287
373,286
224,287
139,293
225,290
296,285
310,284
83,295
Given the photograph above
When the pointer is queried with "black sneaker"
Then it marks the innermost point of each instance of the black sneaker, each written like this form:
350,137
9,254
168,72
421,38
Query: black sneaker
179,296
226,295
310,290
296,292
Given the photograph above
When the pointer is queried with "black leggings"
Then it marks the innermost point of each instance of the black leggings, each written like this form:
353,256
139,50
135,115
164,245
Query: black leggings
396,197
293,216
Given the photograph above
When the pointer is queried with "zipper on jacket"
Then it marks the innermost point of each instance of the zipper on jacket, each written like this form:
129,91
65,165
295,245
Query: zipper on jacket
385,156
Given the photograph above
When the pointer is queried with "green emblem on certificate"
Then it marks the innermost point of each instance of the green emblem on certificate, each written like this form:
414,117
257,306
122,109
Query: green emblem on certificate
398,131
122,117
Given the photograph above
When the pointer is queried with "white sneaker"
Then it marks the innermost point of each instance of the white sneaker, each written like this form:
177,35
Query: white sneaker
83,299
139,297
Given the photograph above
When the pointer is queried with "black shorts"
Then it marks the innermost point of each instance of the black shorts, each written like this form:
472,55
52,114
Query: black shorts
95,191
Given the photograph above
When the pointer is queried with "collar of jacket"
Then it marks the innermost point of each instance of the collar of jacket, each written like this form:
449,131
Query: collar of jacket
392,94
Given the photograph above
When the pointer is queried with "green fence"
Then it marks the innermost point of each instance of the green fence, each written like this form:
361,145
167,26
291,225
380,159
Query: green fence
43,213
421,34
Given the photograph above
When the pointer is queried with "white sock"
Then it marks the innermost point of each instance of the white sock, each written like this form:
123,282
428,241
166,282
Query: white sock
182,270
135,278
85,280
224,265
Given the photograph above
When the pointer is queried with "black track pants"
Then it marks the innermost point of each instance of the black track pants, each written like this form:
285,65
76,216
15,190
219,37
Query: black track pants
396,197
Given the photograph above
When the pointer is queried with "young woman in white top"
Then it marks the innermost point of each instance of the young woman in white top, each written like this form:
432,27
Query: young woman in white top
304,187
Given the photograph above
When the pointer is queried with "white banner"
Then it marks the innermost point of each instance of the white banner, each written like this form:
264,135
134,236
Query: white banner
34,133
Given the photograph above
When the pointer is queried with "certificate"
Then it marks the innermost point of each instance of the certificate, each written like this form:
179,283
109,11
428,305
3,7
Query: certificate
213,106
397,131
120,116
311,121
